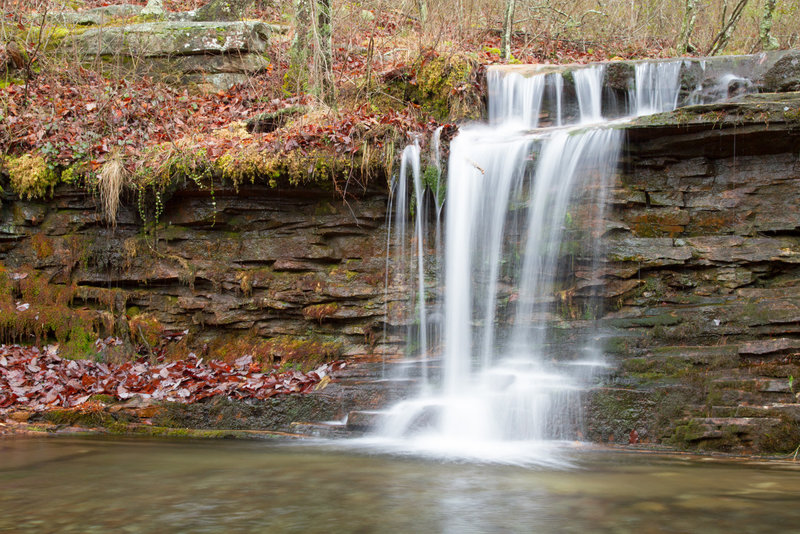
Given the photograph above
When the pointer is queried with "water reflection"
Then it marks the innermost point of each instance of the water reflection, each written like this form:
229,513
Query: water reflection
85,485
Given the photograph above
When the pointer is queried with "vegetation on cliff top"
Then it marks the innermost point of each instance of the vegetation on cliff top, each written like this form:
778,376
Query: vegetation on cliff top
398,72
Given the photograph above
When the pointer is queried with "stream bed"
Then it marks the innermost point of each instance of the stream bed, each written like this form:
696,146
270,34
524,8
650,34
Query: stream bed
68,484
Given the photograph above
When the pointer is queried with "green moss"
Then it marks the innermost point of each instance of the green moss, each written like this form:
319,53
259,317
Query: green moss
618,409
49,315
443,86
42,245
30,176
616,345
81,418
7,80
782,438
661,320
657,369
105,399
80,344
687,433
431,179
190,433
69,175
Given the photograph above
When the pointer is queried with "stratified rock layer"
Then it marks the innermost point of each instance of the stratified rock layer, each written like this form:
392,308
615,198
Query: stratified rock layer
263,262
706,228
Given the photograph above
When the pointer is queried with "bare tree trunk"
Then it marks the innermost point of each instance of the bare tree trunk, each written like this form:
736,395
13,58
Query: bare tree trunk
312,44
768,42
687,27
296,78
508,29
422,7
724,36
323,53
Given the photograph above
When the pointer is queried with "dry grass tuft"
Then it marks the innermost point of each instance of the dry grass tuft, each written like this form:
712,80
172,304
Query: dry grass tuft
112,179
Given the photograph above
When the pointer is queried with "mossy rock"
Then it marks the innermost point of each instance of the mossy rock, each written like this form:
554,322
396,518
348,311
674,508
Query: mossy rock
216,10
30,176
620,76
277,413
447,87
172,39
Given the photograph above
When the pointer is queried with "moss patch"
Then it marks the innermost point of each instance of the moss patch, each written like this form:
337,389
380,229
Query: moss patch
30,176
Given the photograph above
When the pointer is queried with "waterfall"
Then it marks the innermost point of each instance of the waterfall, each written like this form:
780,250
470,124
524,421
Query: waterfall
524,212
407,265
589,87
515,99
657,86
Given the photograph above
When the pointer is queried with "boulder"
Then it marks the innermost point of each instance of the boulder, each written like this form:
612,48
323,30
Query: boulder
153,9
219,54
784,76
168,39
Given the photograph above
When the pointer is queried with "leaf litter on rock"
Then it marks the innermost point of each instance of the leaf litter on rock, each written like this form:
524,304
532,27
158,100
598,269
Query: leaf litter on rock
40,380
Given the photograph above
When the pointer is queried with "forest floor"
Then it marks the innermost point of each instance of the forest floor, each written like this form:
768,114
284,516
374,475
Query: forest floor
75,117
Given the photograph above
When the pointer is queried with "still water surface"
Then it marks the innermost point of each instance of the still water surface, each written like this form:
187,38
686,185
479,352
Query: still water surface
95,485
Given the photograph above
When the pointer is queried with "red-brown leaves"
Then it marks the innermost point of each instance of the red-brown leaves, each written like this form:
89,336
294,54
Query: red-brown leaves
39,380
69,122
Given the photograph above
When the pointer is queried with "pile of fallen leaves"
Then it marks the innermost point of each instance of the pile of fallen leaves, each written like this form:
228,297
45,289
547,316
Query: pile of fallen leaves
85,121
39,380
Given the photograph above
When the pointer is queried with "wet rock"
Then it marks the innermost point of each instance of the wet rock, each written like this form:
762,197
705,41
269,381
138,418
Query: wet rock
647,251
768,346
20,416
362,420
705,221
620,76
784,76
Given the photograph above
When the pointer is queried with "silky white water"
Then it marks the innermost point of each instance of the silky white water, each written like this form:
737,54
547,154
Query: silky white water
657,86
524,203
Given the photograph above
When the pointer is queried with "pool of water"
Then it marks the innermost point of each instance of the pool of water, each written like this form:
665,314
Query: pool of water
100,485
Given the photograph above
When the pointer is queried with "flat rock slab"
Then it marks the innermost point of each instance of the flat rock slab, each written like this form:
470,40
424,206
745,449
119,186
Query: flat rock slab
768,346
158,39
213,54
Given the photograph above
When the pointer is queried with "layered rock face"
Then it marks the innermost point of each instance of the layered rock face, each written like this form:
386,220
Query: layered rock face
704,243
298,267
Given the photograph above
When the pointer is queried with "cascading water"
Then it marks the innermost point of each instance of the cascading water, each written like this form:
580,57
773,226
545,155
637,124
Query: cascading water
409,262
657,87
524,203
